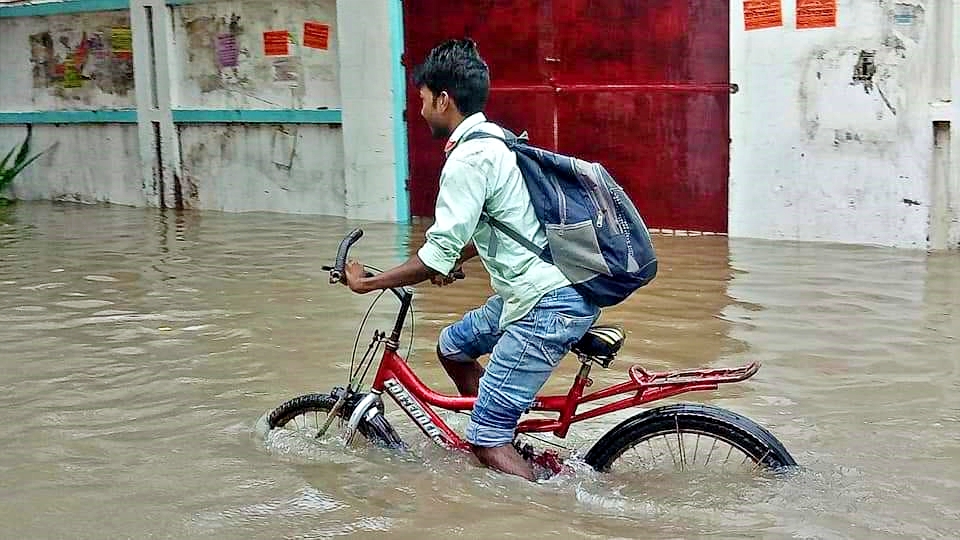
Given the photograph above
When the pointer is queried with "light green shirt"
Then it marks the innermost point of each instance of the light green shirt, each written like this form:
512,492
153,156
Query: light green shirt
482,174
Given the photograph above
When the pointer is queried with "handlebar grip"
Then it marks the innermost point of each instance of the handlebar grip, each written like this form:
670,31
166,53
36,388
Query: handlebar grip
337,273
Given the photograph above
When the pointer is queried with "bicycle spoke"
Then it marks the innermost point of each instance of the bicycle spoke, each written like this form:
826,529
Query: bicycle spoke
714,445
680,444
666,441
695,448
759,462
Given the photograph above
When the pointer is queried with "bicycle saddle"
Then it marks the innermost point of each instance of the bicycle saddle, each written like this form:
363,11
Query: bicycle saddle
600,343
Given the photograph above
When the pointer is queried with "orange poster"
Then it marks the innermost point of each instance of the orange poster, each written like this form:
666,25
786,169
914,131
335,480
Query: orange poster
762,14
276,43
816,13
316,35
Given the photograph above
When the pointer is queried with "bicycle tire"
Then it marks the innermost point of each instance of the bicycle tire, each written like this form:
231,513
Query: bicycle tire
375,429
738,431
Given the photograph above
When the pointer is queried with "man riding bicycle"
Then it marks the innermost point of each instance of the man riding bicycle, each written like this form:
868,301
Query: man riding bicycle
536,315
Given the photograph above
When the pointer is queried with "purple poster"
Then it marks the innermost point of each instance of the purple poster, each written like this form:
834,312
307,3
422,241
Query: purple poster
227,51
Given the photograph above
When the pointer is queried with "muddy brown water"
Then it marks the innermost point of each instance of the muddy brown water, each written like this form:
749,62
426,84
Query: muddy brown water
140,351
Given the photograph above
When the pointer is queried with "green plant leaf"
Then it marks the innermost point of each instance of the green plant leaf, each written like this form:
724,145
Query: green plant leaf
3,164
21,166
24,148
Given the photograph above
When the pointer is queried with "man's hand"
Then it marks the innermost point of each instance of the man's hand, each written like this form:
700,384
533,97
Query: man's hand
353,275
440,280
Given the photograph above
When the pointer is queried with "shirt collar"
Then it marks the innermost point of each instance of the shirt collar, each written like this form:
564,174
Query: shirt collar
465,126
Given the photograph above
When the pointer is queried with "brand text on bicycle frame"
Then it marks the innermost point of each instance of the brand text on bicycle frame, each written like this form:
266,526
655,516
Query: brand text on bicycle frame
413,408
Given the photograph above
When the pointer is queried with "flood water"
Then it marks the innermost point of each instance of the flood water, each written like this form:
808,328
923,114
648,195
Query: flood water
140,350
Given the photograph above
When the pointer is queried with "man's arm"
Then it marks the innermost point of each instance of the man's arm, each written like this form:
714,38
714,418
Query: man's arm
468,252
409,273
448,241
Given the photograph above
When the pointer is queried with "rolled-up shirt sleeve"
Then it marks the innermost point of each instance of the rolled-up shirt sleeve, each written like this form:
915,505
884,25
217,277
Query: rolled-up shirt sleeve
459,203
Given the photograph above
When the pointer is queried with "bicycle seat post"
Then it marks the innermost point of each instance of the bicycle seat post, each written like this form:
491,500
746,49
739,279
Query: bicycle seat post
585,366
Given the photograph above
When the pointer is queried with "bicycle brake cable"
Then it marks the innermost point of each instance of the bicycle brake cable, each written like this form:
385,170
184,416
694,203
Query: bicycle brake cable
356,343
363,322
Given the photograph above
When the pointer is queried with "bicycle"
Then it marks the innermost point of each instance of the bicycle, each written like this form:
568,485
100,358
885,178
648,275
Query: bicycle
672,426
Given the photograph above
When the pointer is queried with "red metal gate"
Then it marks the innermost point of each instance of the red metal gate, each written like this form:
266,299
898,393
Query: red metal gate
639,85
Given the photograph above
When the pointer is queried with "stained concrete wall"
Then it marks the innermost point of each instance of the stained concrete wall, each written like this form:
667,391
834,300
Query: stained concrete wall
306,78
66,62
832,129
41,71
218,116
80,163
293,168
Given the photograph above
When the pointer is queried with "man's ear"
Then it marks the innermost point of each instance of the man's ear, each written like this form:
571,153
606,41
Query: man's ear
443,102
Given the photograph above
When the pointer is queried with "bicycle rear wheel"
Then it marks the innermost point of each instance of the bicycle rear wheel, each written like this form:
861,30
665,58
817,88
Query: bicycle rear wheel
689,437
309,412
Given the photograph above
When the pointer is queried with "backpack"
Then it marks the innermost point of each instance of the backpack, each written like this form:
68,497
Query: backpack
595,235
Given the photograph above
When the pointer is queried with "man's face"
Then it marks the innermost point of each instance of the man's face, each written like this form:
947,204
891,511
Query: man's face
433,110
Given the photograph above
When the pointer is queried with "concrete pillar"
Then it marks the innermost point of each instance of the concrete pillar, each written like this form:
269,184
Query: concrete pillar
944,226
159,150
373,99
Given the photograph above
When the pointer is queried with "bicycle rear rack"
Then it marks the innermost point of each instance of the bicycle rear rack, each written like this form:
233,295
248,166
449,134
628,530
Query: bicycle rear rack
692,377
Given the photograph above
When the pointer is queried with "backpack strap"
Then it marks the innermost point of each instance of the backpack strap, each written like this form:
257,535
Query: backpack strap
542,253
510,140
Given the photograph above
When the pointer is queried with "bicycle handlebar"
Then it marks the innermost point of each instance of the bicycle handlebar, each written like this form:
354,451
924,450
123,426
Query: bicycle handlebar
336,272
336,275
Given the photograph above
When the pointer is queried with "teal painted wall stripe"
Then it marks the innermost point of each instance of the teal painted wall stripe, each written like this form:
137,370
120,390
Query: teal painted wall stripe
63,6
182,116
107,116
402,167
257,116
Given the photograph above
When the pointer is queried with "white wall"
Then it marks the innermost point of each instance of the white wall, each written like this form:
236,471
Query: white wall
80,163
816,155
199,81
23,84
235,168
84,163
328,169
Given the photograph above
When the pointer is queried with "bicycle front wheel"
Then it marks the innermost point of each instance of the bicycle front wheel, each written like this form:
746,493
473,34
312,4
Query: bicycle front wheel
688,437
306,414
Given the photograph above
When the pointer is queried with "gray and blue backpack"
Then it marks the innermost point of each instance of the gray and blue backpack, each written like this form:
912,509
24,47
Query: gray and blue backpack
595,234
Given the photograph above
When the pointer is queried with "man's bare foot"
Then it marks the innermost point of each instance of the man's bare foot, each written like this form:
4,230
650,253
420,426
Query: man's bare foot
505,459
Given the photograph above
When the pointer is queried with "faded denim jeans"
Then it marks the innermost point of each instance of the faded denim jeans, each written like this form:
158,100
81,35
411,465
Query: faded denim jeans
522,356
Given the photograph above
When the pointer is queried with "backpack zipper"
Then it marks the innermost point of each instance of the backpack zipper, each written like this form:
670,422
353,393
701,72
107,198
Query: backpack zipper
562,202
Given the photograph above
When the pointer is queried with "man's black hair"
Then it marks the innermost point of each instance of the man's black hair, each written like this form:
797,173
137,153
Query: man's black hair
455,66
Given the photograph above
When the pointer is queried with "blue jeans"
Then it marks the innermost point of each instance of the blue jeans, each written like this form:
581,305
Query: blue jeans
522,356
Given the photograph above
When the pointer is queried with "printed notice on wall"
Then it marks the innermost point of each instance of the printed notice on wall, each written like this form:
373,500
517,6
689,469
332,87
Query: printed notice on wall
71,77
816,13
316,35
759,14
276,43
286,71
121,41
228,54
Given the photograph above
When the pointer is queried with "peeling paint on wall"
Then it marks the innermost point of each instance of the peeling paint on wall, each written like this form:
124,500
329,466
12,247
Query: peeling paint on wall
275,175
249,54
72,57
852,109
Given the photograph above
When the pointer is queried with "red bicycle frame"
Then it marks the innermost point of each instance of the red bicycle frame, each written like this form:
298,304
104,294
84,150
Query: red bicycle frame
396,378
